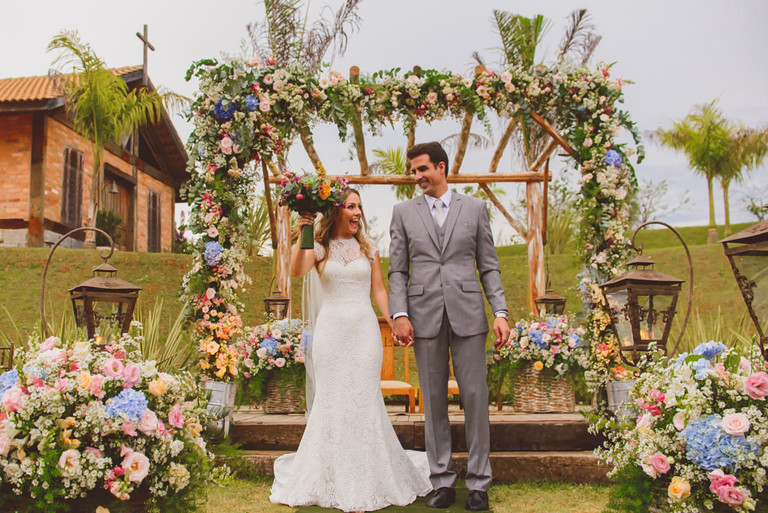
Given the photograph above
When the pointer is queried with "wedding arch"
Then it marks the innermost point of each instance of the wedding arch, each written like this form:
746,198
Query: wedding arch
246,116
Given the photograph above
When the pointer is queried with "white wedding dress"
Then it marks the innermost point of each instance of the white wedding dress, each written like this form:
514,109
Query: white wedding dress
349,457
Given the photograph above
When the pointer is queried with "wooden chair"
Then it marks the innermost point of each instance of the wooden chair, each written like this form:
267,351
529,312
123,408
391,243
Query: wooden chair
389,385
6,358
453,389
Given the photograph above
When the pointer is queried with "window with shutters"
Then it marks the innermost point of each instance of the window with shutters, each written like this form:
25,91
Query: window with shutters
153,222
72,188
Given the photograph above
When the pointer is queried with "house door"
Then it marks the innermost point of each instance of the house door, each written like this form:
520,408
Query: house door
118,197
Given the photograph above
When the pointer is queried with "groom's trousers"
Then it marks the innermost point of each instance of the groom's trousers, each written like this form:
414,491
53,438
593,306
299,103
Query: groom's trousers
469,367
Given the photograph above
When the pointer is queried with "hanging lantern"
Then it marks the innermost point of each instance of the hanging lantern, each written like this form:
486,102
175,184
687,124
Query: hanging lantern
641,304
551,303
276,305
747,252
104,304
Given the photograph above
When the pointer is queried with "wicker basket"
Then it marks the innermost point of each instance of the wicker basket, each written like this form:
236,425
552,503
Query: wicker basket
284,395
542,392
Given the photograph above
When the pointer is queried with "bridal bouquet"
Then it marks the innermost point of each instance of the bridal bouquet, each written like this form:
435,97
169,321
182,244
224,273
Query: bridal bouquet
274,347
701,440
99,425
551,343
312,194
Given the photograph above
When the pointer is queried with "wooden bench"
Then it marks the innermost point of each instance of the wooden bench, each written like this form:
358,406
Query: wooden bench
389,385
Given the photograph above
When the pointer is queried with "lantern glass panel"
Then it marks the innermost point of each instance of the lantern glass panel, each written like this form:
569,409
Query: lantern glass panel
617,304
753,266
108,319
653,313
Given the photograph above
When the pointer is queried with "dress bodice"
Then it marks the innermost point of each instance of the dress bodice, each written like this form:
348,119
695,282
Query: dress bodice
346,277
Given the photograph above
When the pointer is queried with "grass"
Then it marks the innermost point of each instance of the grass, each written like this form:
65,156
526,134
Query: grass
253,495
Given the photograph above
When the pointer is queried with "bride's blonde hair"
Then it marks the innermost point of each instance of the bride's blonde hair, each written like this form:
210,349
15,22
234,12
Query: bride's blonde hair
326,224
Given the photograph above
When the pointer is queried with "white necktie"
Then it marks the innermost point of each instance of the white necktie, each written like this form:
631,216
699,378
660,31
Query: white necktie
439,213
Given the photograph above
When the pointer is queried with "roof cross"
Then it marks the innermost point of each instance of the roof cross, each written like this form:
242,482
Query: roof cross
145,39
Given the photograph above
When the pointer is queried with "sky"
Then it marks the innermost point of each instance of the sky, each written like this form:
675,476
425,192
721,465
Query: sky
678,54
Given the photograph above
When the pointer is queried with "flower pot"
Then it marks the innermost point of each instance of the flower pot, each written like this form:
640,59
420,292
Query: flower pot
284,394
542,392
618,398
220,403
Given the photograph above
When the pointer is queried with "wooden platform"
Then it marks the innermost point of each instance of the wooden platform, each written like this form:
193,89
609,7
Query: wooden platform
524,447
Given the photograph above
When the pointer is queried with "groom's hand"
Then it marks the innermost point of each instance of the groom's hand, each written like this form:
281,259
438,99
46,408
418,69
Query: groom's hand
402,331
501,329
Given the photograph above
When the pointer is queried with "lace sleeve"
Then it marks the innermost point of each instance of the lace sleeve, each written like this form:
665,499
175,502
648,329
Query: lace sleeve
319,252
374,249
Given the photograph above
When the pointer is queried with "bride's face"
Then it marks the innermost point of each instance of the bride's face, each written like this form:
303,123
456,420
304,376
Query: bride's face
349,217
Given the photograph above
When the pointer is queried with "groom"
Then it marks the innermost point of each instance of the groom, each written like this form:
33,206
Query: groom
440,243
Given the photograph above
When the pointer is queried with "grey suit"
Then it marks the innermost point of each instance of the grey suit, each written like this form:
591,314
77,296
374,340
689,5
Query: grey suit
433,276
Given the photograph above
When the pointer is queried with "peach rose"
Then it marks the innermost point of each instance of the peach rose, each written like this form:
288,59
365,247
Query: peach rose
136,466
69,461
679,489
148,423
157,387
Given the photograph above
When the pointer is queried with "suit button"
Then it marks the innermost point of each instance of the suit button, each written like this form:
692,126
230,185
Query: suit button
442,263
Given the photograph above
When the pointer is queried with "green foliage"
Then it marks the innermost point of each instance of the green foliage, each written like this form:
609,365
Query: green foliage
172,351
108,221
632,493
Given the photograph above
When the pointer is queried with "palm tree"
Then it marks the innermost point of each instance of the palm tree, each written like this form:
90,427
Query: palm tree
393,161
103,109
704,136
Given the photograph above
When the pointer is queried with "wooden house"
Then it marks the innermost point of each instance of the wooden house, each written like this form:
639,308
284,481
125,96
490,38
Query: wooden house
46,171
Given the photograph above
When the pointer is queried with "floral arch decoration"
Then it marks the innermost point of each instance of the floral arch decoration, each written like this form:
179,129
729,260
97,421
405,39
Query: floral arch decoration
246,114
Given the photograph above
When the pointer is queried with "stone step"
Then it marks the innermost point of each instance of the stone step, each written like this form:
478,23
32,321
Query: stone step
542,432
507,467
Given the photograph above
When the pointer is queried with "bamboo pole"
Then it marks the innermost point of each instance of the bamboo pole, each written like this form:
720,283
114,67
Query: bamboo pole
461,148
505,136
519,228
544,156
357,126
309,147
523,177
268,197
553,133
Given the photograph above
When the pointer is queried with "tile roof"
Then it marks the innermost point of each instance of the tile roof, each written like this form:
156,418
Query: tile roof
39,88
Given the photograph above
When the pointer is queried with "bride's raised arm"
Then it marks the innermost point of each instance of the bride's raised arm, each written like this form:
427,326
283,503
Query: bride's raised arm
302,260
380,294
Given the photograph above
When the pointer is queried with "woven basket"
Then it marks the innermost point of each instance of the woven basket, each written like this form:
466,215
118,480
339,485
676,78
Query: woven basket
283,395
542,392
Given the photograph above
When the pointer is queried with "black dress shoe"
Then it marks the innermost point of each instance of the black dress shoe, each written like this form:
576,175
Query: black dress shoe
477,501
443,498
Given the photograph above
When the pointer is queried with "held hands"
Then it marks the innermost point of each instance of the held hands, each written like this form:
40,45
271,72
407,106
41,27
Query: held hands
402,331
501,329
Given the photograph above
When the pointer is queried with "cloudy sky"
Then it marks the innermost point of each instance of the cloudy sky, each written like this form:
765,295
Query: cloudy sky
678,54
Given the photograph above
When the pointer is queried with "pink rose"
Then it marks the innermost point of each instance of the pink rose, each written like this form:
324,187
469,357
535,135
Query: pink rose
96,385
49,344
131,374
213,232
129,428
280,362
5,445
175,417
659,463
113,368
210,293
226,145
148,423
731,495
644,422
718,479
136,465
744,365
756,385
69,461
735,424
61,384
13,399
264,105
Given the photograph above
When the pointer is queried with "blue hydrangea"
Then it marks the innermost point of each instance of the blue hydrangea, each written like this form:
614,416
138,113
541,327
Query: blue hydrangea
711,448
8,380
702,368
212,253
576,339
710,350
681,359
222,113
130,404
536,337
613,158
251,103
270,344
35,371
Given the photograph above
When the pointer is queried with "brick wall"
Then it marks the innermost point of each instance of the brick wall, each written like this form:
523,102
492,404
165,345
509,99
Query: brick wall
15,161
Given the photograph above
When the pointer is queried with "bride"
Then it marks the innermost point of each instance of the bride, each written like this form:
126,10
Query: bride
349,457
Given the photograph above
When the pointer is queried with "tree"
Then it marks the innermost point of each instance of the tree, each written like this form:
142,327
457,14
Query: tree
651,201
393,161
103,109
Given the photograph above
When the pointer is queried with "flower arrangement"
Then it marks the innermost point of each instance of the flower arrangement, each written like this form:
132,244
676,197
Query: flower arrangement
310,193
277,346
79,422
700,440
549,344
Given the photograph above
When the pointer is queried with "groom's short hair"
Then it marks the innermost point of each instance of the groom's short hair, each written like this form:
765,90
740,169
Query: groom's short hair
433,149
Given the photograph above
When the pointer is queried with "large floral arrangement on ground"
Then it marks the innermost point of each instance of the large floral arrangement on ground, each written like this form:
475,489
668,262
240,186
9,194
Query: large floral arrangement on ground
276,346
701,437
77,421
550,344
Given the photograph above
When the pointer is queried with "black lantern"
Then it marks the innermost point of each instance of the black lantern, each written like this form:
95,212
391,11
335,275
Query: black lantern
551,303
276,305
641,304
747,252
104,304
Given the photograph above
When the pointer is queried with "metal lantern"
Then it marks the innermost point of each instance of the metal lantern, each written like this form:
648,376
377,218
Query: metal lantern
551,303
641,304
276,305
747,252
104,304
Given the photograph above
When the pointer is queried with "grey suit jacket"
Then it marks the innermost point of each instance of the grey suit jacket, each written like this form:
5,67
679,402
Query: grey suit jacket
424,278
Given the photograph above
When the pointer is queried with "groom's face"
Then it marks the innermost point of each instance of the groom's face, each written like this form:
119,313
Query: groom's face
429,177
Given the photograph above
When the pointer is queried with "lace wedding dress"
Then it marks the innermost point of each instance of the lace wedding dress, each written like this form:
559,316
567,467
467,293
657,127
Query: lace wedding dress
349,457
